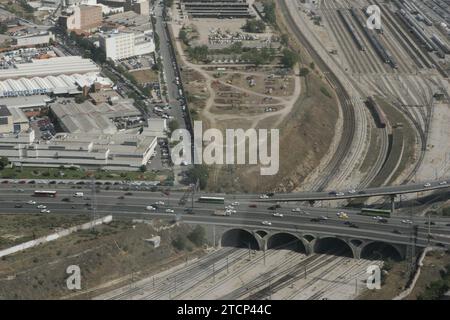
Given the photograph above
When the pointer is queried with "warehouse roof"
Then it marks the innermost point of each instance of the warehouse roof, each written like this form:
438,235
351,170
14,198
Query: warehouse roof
47,67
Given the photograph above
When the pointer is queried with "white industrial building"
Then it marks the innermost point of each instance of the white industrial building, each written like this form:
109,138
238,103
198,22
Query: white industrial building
53,66
122,45
34,39
57,85
109,152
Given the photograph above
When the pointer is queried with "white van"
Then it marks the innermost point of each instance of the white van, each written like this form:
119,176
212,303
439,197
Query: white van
78,195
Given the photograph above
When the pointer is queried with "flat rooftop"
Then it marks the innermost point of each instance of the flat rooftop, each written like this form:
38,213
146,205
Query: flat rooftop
52,66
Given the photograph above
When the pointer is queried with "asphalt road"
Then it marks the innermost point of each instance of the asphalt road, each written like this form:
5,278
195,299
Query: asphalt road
133,205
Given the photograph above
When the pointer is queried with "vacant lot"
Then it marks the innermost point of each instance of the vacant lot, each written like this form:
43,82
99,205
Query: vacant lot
145,76
111,255
15,229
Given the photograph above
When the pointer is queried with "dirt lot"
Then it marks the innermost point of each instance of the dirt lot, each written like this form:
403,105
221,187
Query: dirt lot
112,255
395,281
15,229
145,76
304,138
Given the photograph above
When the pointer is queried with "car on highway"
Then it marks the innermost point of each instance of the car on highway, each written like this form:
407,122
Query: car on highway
170,211
266,223
45,211
41,206
352,225
264,196
235,204
383,220
18,205
332,193
340,194
361,192
189,211
150,208
159,203
353,191
342,215
31,202
406,221
297,210
252,206
442,183
323,218
396,231
432,223
279,215
427,185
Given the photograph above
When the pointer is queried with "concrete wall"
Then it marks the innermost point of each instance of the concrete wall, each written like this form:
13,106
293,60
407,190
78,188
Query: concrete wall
54,236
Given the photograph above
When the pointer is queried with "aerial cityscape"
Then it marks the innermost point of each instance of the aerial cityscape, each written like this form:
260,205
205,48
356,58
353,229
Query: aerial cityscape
224,150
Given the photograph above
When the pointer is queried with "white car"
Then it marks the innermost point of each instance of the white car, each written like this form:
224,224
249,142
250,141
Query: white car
266,223
229,207
231,211
31,202
376,218
161,203
235,203
45,211
353,191
264,196
41,206
151,208
442,183
169,211
279,215
340,194
324,218
296,210
407,222
427,185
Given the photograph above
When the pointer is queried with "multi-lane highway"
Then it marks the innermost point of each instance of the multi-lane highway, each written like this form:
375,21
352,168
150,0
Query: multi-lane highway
249,213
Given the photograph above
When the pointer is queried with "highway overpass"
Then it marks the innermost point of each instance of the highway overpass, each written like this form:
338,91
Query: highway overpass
255,226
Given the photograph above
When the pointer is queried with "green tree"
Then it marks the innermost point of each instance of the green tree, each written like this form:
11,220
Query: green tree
284,39
269,12
143,168
254,26
289,58
197,236
304,72
173,125
198,173
3,162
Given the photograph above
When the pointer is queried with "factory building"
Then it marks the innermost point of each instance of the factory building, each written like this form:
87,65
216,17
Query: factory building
83,18
53,66
109,152
12,120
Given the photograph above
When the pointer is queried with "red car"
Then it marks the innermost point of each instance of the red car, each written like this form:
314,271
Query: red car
252,206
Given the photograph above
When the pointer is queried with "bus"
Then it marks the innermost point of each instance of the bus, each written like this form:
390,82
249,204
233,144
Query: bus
43,193
219,200
375,212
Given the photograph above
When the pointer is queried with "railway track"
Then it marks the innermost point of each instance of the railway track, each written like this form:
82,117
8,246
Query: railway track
349,126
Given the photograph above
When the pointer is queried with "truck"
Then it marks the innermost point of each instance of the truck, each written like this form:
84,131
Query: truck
222,213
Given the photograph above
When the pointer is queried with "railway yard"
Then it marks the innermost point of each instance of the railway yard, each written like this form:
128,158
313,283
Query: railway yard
235,274
404,65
